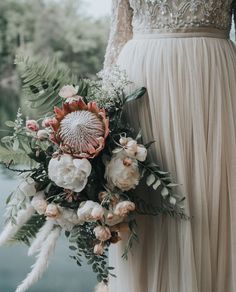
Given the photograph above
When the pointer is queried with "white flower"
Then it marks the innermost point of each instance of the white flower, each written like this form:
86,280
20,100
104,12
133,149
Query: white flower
42,134
68,91
135,150
39,203
90,211
98,249
52,211
27,187
141,154
122,172
102,233
69,173
123,208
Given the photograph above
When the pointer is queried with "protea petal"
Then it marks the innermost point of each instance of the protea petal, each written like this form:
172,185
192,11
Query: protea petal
80,129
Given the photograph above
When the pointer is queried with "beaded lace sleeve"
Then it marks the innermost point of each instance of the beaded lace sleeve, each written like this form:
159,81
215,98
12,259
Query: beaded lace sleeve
121,30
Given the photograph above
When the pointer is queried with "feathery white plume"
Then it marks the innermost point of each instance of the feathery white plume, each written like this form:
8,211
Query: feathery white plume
40,237
11,229
101,287
42,261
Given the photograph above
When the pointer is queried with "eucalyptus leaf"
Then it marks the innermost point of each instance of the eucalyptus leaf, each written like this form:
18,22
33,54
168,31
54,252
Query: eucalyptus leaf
136,94
164,192
157,184
150,179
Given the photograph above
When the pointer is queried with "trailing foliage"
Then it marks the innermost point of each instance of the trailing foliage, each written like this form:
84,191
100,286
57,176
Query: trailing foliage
29,230
82,242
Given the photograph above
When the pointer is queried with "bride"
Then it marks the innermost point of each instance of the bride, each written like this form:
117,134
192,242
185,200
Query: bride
181,52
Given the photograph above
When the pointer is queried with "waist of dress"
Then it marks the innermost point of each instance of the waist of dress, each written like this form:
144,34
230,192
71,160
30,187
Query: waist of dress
181,33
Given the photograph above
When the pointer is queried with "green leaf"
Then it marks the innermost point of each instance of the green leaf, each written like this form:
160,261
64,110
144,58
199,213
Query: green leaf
164,192
72,247
10,124
157,184
150,179
136,94
16,145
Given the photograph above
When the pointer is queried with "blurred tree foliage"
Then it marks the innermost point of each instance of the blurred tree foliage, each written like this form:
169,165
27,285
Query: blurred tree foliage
46,28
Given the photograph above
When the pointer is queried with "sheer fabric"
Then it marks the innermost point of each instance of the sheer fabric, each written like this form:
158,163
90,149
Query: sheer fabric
190,111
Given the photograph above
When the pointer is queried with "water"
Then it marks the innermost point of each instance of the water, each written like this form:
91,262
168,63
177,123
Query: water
63,275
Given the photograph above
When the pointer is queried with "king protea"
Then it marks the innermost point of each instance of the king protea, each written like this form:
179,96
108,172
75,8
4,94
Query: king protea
80,129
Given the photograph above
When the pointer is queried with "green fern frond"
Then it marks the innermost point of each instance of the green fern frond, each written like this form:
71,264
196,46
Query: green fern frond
16,157
29,230
42,81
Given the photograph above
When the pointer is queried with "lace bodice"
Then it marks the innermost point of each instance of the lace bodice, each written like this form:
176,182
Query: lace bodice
169,15
148,16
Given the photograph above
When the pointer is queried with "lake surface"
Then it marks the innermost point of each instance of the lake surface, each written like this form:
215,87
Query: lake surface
63,275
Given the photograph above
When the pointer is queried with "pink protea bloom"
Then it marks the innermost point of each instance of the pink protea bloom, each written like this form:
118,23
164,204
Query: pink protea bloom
80,129
32,125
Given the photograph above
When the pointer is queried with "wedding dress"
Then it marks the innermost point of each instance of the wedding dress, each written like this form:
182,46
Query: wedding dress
181,52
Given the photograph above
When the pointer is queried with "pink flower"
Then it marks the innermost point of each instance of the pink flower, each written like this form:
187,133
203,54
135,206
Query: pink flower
32,125
47,122
52,211
123,208
98,249
102,233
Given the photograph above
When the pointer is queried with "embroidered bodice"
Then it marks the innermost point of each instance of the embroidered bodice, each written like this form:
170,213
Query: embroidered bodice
165,16
170,15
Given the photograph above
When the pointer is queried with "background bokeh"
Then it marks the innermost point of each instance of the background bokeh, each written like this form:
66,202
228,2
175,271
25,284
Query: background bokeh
76,32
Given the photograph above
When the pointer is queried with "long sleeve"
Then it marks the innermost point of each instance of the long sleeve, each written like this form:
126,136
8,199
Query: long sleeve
121,30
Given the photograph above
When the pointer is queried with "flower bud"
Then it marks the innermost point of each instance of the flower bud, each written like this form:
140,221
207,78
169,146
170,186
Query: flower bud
52,211
98,249
42,134
102,233
32,125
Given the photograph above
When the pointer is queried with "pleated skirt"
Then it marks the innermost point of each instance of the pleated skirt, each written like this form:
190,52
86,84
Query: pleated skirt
190,112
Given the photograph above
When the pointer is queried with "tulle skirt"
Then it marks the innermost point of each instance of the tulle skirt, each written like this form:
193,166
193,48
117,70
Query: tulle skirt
190,111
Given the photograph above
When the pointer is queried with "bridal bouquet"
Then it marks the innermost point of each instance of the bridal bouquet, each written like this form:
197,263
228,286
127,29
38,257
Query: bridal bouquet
79,165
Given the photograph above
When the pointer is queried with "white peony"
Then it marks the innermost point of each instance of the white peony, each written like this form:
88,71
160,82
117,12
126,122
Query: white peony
27,187
69,173
39,203
123,208
90,211
123,172
102,233
68,91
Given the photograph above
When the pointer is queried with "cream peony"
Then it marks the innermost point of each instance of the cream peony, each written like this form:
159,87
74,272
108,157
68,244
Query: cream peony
122,172
68,91
123,208
102,233
52,211
39,203
27,187
69,173
90,211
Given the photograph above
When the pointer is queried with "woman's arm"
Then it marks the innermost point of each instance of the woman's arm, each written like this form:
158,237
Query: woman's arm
121,30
